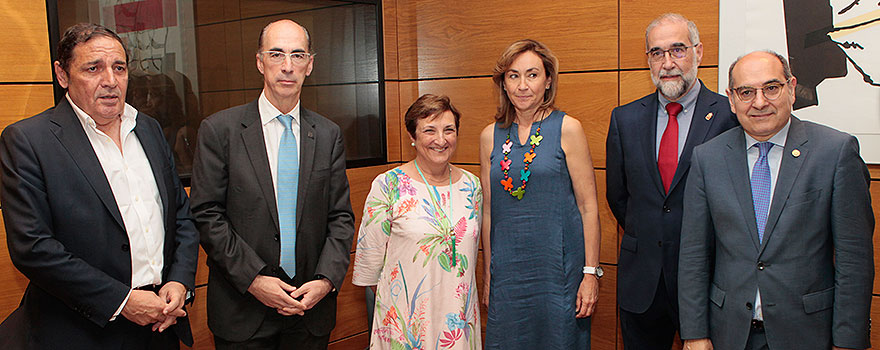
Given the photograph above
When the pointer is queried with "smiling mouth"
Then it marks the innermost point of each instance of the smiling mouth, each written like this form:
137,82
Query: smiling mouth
439,149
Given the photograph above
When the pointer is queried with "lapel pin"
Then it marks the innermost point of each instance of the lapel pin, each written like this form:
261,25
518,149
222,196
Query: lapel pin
796,153
310,135
709,116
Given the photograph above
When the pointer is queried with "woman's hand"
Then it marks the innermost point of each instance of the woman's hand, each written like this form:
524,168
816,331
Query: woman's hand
588,294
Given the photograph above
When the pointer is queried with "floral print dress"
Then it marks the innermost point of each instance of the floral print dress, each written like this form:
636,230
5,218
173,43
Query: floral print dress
426,295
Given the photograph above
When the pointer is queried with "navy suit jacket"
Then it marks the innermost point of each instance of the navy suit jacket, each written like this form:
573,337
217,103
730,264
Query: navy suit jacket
65,232
651,218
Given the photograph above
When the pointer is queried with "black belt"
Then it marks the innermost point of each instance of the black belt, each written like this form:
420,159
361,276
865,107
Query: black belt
150,287
757,325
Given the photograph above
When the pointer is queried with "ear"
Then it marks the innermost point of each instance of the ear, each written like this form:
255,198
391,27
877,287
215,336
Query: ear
549,80
698,50
311,64
791,90
61,75
730,98
259,63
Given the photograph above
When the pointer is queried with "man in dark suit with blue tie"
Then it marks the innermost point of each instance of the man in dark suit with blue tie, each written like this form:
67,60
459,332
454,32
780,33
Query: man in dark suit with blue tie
95,215
776,246
648,156
271,200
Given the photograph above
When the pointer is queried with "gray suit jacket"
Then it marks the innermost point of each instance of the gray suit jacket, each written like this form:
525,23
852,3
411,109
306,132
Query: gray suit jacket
234,205
815,264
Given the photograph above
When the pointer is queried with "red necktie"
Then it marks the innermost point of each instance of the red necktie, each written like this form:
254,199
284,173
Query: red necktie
667,159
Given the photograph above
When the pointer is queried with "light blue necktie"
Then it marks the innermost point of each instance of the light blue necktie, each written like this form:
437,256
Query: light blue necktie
288,179
761,187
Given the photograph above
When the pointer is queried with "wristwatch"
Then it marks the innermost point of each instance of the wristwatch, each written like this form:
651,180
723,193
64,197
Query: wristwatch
595,271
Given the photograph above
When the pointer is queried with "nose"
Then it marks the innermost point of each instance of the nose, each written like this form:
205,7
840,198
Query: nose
287,64
109,78
668,62
760,101
521,83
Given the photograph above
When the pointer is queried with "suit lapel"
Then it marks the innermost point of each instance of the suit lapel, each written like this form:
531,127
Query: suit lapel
737,165
697,133
648,137
307,159
154,151
70,133
255,146
789,169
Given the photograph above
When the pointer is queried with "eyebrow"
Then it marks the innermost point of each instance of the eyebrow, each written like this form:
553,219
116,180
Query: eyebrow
763,84
282,50
678,44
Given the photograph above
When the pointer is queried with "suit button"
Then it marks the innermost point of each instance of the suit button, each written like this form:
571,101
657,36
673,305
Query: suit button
277,237
761,265
660,243
666,209
125,247
748,306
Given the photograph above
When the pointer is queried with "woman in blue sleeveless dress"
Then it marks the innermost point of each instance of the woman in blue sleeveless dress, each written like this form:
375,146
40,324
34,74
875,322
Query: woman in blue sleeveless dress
540,214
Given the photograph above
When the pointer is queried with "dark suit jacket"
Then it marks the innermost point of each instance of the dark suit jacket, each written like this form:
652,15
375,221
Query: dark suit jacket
815,265
66,234
235,209
651,219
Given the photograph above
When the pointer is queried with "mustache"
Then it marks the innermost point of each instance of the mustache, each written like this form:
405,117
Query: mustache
673,71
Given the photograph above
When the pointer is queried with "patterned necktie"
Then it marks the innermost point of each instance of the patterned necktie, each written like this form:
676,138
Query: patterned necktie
667,158
761,187
288,179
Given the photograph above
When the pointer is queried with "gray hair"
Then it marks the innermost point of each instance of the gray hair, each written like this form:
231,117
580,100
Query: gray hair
693,33
786,68
263,32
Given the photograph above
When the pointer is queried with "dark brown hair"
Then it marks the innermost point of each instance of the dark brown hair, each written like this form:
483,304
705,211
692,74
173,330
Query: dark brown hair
80,33
426,106
506,112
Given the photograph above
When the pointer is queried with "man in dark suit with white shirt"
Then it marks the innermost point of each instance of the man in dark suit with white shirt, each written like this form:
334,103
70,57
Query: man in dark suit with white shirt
95,214
271,200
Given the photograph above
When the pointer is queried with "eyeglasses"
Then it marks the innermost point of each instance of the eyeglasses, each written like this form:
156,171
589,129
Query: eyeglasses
771,91
677,52
277,57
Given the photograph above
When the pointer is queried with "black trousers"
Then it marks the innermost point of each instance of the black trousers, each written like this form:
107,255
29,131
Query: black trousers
656,327
278,332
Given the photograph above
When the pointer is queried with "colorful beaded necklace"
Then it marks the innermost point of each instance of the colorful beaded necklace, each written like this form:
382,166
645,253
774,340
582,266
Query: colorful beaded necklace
447,214
507,183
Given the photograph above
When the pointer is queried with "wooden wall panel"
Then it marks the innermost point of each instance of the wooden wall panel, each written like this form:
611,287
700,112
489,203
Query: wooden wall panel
608,251
213,102
636,84
351,308
635,16
393,121
22,101
875,315
389,34
875,204
220,68
359,341
202,268
257,8
12,282
203,339
590,97
464,38
360,181
604,320
474,99
25,42
211,11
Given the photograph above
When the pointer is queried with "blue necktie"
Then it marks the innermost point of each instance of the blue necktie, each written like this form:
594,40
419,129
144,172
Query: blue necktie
288,179
761,187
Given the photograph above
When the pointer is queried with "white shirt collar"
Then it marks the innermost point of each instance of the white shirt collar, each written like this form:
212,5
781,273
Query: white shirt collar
129,117
268,112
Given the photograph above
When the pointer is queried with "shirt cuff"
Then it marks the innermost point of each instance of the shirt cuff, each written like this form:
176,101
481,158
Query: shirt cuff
121,306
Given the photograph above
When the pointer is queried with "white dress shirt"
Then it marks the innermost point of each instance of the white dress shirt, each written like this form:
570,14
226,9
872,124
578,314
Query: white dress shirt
774,160
137,196
272,131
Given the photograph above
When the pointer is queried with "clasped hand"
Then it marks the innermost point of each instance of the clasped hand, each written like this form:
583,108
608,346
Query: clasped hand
161,310
282,297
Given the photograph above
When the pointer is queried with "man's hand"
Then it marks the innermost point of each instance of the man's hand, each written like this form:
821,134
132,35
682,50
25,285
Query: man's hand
313,291
274,293
174,295
143,308
588,294
698,344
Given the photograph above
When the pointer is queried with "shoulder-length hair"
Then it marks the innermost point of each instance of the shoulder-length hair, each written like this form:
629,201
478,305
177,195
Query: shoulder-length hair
506,112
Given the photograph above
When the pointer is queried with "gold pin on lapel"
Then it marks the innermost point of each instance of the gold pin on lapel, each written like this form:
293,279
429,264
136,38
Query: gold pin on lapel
796,153
709,116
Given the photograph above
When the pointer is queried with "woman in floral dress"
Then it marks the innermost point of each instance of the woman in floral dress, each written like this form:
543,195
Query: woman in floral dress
418,241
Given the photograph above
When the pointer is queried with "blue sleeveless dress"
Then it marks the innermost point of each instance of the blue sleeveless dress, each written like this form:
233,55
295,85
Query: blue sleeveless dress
537,248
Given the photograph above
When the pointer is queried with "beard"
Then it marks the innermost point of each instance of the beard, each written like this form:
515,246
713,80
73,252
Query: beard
675,89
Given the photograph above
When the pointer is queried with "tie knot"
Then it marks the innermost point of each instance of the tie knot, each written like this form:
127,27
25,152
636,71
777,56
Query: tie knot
764,147
285,120
673,108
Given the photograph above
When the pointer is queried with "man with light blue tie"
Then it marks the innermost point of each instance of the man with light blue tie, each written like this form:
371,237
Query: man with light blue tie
271,200
776,246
